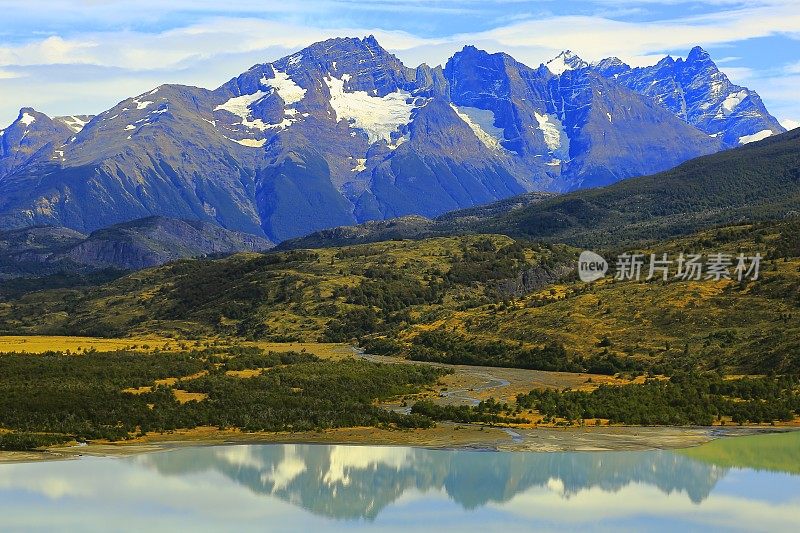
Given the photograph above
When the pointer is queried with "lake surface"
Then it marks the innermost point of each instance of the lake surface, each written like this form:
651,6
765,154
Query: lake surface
743,483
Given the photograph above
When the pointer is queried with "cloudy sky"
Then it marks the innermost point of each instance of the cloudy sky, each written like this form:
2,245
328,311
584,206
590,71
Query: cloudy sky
83,56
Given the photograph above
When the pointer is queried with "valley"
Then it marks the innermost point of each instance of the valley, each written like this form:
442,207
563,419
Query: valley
479,383
397,266
459,320
465,335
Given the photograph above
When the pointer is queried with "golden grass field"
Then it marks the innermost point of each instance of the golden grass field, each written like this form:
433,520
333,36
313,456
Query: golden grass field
44,343
41,344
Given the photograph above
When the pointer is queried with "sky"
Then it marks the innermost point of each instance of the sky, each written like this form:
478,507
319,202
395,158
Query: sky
65,57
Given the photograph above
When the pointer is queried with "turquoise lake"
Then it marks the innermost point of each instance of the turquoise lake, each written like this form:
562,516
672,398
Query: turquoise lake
744,483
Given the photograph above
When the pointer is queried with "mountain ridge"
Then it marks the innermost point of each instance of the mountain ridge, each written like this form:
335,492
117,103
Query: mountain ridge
339,133
133,245
758,181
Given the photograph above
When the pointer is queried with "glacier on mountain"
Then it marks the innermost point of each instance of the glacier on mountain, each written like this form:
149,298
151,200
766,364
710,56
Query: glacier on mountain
481,121
311,140
377,116
552,130
287,89
240,106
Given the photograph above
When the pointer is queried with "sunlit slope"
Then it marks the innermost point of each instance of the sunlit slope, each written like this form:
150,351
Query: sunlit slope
475,299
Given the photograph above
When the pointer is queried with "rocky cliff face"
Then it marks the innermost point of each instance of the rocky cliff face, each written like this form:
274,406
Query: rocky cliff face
342,132
696,91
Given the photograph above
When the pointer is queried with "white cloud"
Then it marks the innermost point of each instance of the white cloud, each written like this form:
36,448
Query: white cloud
790,124
51,50
213,49
793,68
741,75
178,47
597,37
7,74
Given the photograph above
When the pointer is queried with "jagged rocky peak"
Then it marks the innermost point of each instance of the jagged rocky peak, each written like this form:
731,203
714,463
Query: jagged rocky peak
27,117
611,66
566,60
31,129
698,54
365,64
666,62
342,132
698,92
475,74
472,55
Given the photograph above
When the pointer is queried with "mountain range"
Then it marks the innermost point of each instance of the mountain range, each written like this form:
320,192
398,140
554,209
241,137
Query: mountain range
342,133
756,182
142,243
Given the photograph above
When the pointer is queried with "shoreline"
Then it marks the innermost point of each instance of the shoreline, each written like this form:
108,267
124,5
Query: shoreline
443,437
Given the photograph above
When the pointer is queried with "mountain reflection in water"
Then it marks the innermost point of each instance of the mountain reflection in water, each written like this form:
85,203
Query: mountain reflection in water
742,483
360,481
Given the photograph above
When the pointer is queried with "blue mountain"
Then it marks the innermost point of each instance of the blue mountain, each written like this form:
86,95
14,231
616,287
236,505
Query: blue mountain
342,132
696,91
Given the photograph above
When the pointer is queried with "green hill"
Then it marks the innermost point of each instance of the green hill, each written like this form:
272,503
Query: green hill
481,299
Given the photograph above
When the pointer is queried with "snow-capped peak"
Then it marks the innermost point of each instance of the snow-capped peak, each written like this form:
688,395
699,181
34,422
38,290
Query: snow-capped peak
27,118
566,60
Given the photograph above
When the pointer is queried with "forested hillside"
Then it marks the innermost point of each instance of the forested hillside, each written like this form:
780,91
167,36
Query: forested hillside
482,299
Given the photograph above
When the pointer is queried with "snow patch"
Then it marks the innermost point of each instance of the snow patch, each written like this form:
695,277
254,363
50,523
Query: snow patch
400,140
555,485
552,130
240,106
130,127
733,100
716,87
283,85
27,119
142,105
760,136
291,466
295,59
609,117
481,122
287,89
346,460
361,164
378,116
252,143
76,124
